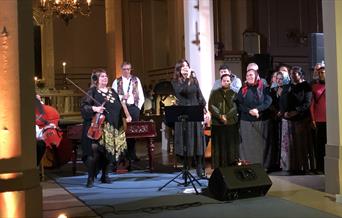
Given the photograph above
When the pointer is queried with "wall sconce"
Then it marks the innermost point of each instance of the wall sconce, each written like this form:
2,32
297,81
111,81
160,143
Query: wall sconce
4,32
297,37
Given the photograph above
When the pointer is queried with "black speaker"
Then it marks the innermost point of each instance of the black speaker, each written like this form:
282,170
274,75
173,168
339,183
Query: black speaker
316,48
236,182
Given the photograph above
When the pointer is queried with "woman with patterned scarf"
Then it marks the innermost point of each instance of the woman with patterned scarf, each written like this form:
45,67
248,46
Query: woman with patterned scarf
98,152
253,101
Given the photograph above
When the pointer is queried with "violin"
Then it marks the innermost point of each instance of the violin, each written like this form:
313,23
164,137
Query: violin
95,129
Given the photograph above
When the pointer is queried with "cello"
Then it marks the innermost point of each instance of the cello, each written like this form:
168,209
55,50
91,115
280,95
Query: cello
47,118
58,148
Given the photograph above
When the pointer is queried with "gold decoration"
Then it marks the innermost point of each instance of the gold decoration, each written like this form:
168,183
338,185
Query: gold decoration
65,9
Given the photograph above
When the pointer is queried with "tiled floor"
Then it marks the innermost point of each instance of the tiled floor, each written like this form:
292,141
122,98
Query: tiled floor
304,190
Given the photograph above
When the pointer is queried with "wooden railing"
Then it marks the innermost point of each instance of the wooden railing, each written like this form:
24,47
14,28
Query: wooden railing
67,102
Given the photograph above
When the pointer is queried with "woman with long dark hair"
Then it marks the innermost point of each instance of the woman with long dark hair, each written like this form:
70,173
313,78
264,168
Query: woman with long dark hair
188,93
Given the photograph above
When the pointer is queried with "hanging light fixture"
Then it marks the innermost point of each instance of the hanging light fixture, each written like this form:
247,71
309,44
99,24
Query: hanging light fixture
65,9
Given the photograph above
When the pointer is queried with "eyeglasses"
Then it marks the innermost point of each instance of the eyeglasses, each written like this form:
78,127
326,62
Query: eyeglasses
126,68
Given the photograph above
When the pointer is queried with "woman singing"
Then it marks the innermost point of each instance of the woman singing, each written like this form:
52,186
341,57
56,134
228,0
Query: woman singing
188,93
98,153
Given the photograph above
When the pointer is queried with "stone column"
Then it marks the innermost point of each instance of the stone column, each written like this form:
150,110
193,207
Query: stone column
47,46
199,41
48,54
114,37
332,19
20,190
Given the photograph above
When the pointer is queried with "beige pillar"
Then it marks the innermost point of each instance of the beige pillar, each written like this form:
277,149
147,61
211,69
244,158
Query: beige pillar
176,28
199,41
239,23
225,23
114,37
47,46
20,191
332,19
48,54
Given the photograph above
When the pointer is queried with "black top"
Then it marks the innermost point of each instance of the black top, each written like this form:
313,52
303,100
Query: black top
299,99
253,99
279,103
113,106
188,95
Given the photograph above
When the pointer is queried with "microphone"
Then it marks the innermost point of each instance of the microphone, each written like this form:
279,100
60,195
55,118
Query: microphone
192,72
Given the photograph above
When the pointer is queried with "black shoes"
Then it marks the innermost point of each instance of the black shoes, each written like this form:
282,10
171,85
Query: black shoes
200,172
90,182
105,179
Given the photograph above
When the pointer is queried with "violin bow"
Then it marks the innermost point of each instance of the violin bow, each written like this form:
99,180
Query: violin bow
84,92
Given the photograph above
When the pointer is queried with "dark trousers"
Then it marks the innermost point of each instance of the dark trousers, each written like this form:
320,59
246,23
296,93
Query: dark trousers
320,141
134,111
41,147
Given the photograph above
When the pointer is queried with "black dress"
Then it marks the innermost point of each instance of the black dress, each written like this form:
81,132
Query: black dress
189,95
277,109
112,126
300,147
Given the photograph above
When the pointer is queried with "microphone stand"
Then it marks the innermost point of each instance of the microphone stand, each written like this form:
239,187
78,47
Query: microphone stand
186,175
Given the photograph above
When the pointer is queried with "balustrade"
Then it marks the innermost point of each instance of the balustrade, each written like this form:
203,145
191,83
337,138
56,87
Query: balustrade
67,102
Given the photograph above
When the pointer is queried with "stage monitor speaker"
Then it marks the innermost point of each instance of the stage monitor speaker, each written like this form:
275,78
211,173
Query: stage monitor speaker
236,182
316,48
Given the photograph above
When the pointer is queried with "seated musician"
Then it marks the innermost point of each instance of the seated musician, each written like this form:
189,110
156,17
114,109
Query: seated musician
41,146
47,132
102,142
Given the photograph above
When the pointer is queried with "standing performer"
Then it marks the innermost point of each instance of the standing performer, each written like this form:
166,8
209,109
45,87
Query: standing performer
235,83
224,127
253,101
300,148
131,93
103,132
188,93
318,115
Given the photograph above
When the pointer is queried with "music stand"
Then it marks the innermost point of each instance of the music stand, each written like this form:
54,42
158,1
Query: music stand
184,114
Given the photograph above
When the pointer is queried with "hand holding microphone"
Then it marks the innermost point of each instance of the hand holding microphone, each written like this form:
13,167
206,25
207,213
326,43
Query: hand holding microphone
192,73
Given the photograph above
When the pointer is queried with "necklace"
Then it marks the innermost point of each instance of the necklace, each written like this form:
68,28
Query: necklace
108,94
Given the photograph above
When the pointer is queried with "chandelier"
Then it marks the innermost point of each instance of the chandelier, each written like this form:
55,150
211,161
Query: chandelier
65,9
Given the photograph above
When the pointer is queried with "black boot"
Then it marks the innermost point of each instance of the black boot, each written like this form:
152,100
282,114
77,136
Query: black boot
199,168
90,182
105,178
91,171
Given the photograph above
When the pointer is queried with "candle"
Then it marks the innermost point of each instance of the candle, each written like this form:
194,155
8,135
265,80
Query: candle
64,64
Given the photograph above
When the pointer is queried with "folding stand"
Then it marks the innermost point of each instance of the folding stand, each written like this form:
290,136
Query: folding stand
184,114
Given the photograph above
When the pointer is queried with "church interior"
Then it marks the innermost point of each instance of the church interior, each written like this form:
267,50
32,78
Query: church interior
52,54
